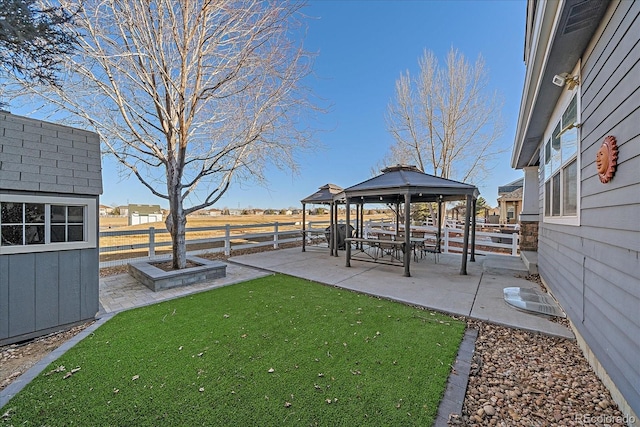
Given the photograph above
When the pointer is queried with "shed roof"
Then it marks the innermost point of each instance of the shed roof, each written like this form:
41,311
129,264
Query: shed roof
324,195
48,157
396,181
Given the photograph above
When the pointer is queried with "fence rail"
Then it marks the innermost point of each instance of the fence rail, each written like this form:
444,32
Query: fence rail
125,246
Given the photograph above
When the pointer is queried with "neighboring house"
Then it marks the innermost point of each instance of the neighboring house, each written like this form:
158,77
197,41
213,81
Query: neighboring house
143,214
510,201
581,197
50,183
123,210
105,210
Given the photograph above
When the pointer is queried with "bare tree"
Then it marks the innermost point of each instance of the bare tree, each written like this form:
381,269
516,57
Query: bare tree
191,96
444,120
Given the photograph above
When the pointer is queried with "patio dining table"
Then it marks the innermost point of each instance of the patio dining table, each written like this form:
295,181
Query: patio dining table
376,244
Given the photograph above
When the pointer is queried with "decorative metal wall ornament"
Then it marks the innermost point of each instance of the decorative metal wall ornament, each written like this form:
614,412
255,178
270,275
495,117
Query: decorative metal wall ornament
607,159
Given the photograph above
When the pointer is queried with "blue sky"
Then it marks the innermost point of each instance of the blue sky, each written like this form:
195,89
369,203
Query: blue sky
363,47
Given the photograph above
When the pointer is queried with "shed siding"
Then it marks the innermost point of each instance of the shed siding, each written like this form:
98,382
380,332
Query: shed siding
89,283
22,294
47,290
4,297
594,269
40,291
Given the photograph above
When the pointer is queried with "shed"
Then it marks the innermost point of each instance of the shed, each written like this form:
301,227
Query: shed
50,182
143,214
406,184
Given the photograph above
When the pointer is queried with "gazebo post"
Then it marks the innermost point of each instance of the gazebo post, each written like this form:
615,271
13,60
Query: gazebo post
331,228
473,231
347,246
361,232
465,244
304,235
397,218
357,227
407,234
439,232
334,229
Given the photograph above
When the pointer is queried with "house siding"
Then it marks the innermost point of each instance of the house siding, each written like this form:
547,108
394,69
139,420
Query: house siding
594,268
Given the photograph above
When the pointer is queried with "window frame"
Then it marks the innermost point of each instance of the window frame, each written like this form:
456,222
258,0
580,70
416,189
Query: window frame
548,178
90,223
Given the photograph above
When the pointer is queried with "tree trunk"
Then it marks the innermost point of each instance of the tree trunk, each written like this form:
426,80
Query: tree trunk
176,224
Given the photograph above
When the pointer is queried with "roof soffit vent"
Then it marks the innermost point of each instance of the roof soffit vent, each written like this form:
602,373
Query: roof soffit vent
582,15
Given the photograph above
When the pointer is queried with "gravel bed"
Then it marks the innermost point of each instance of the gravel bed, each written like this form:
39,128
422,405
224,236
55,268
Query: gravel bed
524,379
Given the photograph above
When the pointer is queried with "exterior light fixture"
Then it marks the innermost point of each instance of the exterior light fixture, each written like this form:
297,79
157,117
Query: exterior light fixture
566,79
569,126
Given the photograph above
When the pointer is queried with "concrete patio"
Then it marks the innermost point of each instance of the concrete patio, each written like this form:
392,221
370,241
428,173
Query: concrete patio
437,286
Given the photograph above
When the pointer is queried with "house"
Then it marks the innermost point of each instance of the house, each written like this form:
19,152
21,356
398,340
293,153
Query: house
105,210
122,210
510,201
578,143
50,184
143,214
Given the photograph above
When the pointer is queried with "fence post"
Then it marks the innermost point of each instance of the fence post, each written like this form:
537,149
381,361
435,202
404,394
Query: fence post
446,240
227,240
152,242
275,236
514,244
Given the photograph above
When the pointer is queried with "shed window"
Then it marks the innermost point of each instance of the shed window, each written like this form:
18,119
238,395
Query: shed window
22,223
36,224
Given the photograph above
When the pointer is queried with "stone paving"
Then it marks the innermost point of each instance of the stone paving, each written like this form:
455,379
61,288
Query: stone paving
123,292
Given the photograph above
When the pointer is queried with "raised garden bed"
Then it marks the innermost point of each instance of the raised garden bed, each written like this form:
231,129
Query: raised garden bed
157,279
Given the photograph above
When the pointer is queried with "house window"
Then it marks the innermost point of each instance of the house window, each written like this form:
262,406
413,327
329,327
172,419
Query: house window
39,223
561,167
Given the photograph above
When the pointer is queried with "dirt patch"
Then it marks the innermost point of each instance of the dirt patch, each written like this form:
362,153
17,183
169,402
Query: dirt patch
16,359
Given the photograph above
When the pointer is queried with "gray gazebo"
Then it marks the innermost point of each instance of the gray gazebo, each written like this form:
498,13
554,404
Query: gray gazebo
402,184
328,194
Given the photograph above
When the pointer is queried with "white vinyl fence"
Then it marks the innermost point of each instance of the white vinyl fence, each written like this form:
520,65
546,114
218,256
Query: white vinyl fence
123,247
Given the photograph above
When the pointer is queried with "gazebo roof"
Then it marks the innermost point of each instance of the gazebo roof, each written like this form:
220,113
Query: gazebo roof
396,181
325,194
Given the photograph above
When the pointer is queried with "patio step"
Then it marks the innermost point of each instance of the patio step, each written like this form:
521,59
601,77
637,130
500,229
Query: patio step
530,260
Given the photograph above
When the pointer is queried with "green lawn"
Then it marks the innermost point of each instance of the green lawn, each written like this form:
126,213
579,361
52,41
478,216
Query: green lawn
272,351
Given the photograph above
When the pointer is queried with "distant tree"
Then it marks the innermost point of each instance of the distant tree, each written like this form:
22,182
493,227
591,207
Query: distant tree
190,96
481,205
34,39
444,120
116,211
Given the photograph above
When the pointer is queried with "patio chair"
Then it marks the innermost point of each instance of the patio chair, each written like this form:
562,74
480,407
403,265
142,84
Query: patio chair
418,247
430,245
386,247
